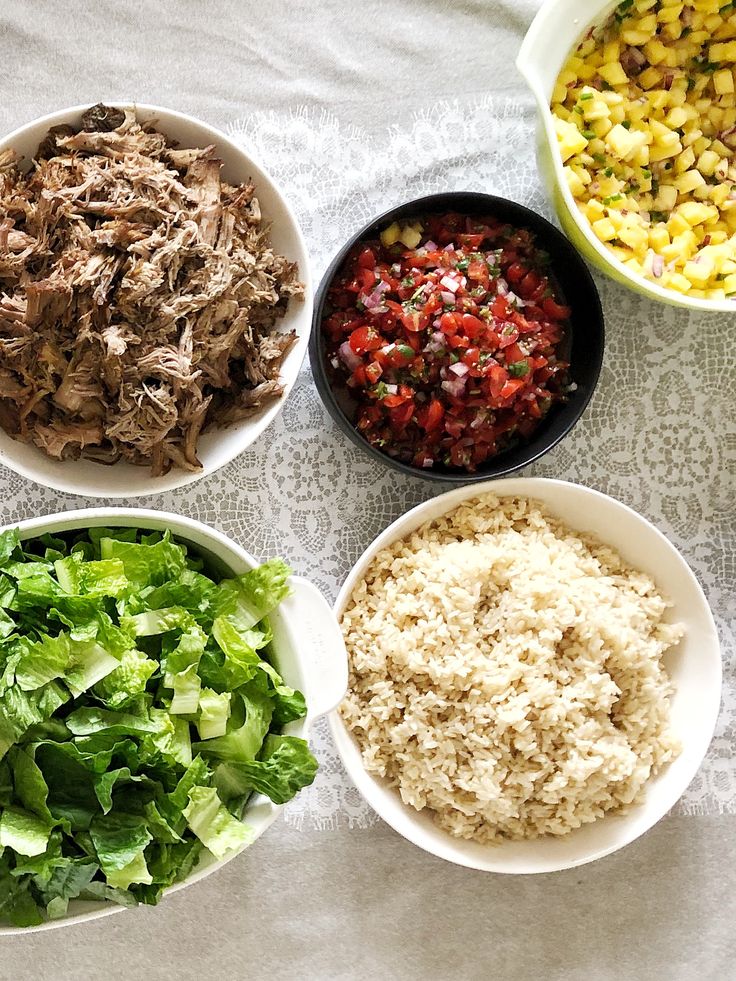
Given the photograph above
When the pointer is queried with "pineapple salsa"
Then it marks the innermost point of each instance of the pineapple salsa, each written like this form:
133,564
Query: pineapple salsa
645,114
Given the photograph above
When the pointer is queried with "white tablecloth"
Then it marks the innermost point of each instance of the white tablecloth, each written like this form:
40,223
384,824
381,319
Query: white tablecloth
354,109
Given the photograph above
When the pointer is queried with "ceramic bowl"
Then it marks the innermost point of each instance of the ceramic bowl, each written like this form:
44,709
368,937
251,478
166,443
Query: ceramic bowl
556,31
218,446
309,654
694,666
584,343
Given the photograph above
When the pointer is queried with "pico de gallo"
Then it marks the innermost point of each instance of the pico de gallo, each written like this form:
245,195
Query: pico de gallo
447,335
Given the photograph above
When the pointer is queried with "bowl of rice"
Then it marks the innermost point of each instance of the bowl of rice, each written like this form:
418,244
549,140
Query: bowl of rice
535,675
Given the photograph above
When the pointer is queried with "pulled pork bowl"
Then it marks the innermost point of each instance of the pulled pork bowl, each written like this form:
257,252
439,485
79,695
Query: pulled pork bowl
155,300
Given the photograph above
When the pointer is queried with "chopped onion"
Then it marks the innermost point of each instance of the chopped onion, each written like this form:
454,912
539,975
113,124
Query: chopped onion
392,389
502,287
450,284
373,299
449,248
657,266
348,355
435,343
454,387
459,369
431,246
427,462
447,297
335,362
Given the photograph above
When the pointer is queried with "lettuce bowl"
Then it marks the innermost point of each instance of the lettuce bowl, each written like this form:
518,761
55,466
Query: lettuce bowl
307,646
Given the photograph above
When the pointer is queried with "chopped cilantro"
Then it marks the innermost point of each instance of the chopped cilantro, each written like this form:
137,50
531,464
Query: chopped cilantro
519,368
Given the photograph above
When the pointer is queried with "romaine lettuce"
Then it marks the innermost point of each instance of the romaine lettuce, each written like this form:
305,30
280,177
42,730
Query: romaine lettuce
139,710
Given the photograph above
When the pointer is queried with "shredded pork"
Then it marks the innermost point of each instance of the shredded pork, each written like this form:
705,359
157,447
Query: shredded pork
140,297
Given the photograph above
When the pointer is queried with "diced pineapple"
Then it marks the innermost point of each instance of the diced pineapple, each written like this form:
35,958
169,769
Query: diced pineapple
655,172
722,52
695,213
613,73
577,187
623,143
604,229
659,238
570,139
390,236
410,236
689,181
707,162
723,81
699,270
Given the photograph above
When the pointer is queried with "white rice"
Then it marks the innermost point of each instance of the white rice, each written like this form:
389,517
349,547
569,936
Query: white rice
507,673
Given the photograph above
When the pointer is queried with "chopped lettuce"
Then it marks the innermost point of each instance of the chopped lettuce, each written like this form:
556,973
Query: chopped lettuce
139,711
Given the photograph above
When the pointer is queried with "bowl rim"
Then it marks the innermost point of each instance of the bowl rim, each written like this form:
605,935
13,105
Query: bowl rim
374,788
185,528
613,266
65,481
317,358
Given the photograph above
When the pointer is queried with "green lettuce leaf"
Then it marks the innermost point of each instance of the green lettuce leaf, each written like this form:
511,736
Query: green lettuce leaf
9,542
146,565
25,833
214,711
249,722
119,841
213,824
249,598
126,681
286,765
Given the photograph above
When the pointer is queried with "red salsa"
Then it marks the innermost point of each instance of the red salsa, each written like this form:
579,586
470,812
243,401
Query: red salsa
449,347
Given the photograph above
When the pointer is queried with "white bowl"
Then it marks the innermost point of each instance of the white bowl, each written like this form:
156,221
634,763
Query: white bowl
694,666
310,655
556,30
219,446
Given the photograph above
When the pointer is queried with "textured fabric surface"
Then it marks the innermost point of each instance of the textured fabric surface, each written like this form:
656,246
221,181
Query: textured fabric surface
354,110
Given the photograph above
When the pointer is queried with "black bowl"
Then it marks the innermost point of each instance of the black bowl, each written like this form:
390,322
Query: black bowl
585,339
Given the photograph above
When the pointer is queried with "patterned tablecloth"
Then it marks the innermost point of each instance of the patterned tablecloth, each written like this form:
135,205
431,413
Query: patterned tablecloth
660,433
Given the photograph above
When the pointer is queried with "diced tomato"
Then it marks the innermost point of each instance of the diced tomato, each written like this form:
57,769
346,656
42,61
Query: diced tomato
555,310
471,242
500,307
393,401
358,378
529,284
478,273
413,320
471,356
435,415
373,372
516,272
513,353
366,278
472,326
509,336
365,339
497,378
367,259
512,386
449,323
401,416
